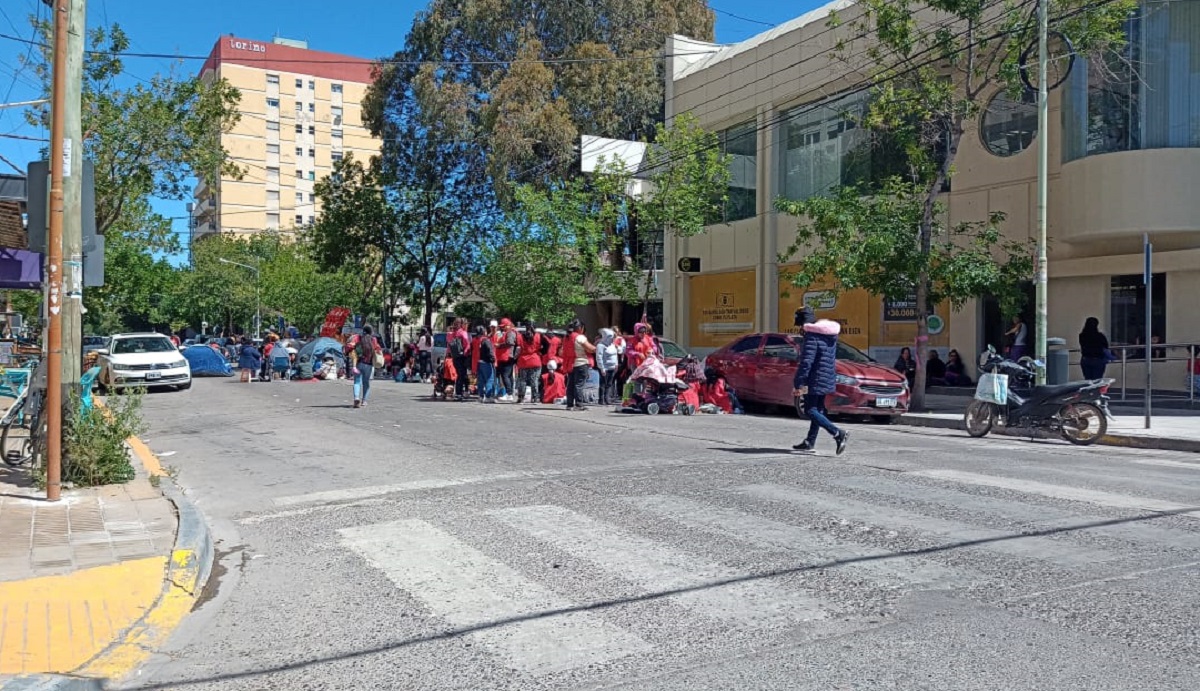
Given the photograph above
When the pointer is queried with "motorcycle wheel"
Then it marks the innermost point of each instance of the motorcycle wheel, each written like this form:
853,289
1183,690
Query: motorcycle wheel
979,418
1083,423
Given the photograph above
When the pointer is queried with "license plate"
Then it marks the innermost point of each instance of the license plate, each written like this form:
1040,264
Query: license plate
153,375
885,402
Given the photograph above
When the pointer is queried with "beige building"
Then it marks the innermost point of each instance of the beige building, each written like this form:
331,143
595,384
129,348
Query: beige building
301,111
1124,159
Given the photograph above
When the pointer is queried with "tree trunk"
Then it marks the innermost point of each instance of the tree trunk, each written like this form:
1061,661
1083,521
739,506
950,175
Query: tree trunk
921,354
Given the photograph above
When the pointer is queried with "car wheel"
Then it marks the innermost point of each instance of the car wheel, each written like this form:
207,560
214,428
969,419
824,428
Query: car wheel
184,387
798,404
883,419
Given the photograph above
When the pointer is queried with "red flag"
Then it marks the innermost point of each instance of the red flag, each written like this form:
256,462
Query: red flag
334,321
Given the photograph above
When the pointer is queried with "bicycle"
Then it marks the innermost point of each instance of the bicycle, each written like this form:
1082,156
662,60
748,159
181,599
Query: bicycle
23,429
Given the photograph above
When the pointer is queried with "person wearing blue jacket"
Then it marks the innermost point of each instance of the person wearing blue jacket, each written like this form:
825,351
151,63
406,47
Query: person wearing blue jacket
816,377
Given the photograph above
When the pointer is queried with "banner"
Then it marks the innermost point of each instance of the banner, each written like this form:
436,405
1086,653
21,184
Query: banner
851,308
334,321
722,307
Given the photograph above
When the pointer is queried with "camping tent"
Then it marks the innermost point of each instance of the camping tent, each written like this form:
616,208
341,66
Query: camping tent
206,362
311,355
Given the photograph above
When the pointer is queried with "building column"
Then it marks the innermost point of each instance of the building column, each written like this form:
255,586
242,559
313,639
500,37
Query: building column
767,221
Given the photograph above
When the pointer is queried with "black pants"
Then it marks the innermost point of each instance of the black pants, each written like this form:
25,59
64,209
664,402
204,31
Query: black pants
575,383
425,363
1093,367
607,379
462,385
505,371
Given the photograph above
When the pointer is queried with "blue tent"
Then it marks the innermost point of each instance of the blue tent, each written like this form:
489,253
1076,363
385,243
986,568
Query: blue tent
206,362
313,352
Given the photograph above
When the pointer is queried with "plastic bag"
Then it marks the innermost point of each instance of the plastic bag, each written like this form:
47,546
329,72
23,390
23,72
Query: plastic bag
992,388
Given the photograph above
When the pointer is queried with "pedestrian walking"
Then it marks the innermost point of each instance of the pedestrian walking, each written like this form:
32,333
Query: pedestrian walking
362,350
607,359
816,377
1093,350
531,346
581,354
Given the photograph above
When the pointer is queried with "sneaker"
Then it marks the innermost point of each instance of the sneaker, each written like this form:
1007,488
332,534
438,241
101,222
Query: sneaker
805,445
841,442
358,404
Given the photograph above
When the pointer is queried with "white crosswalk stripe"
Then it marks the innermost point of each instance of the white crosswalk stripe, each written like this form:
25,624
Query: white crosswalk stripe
467,588
1040,548
1039,515
1089,496
659,568
814,547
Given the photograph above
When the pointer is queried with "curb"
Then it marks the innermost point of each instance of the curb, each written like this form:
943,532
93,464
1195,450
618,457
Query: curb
1130,441
187,572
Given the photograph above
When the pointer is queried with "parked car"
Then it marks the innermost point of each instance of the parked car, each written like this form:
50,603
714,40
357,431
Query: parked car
672,352
91,343
143,359
761,367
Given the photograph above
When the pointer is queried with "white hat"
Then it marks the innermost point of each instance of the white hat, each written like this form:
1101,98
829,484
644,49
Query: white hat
552,366
493,323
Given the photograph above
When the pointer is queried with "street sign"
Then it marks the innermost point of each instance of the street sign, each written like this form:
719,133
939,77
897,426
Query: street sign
689,265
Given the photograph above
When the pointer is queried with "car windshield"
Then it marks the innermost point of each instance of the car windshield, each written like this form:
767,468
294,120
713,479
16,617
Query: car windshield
672,350
142,344
844,352
439,340
93,340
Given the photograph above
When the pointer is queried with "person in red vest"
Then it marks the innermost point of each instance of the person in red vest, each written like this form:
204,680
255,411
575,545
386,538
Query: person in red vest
554,387
581,356
555,353
714,390
530,347
506,349
476,341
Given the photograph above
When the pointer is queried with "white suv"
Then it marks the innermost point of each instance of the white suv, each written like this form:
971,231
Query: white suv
143,359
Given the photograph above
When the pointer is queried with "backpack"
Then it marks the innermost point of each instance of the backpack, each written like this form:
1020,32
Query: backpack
456,346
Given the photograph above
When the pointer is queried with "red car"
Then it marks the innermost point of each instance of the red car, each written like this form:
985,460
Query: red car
760,368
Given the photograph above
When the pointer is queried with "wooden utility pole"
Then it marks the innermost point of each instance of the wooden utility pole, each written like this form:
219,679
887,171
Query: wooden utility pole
61,155
72,238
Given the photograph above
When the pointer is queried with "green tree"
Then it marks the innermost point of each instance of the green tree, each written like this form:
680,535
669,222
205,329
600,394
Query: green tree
931,79
147,140
542,74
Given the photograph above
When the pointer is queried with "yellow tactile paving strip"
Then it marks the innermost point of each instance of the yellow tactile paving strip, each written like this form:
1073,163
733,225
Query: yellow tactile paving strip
57,624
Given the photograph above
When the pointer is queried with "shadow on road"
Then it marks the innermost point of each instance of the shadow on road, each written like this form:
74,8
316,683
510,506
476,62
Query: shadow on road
751,451
649,597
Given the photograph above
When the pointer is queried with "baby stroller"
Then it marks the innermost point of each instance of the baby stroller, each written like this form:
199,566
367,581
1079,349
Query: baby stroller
654,390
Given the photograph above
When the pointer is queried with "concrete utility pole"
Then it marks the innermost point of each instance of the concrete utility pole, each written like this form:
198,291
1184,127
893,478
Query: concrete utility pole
1043,158
72,324
60,161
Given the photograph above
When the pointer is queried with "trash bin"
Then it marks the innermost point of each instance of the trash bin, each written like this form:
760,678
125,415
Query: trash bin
1058,363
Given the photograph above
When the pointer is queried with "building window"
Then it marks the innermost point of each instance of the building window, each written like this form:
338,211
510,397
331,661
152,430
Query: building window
272,103
335,112
272,125
273,196
312,153
311,219
312,85
336,134
299,174
1008,126
273,175
299,220
299,151
299,197
312,130
336,156
272,221
740,143
311,197
337,88
299,129
273,149
273,79
299,83
1127,309
299,106
312,108
312,175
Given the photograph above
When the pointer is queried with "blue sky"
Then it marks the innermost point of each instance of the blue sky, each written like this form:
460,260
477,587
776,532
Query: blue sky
191,29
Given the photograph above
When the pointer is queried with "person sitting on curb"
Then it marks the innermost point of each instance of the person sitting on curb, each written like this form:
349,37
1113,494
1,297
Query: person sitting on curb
554,386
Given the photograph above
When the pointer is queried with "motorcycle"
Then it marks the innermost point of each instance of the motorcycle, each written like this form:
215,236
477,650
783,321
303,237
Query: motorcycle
1078,411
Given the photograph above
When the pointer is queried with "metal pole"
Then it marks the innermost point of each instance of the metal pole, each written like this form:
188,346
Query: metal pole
257,305
1042,175
72,239
59,160
1149,283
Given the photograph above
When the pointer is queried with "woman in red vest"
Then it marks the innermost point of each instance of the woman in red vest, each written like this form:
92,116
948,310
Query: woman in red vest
581,356
554,388
530,346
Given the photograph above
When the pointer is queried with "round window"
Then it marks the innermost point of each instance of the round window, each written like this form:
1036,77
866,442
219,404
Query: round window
1008,126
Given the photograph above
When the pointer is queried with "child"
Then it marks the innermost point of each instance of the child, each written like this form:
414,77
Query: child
443,382
554,386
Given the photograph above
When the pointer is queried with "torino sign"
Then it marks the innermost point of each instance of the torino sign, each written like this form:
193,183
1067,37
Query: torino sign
251,46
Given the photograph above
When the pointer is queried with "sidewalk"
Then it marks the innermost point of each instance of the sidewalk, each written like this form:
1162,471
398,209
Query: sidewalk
89,584
1170,429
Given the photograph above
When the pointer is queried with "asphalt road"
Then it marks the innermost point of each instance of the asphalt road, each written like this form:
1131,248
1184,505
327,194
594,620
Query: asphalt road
416,544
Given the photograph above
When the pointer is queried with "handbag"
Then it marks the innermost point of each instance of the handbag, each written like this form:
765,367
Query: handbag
377,358
992,388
